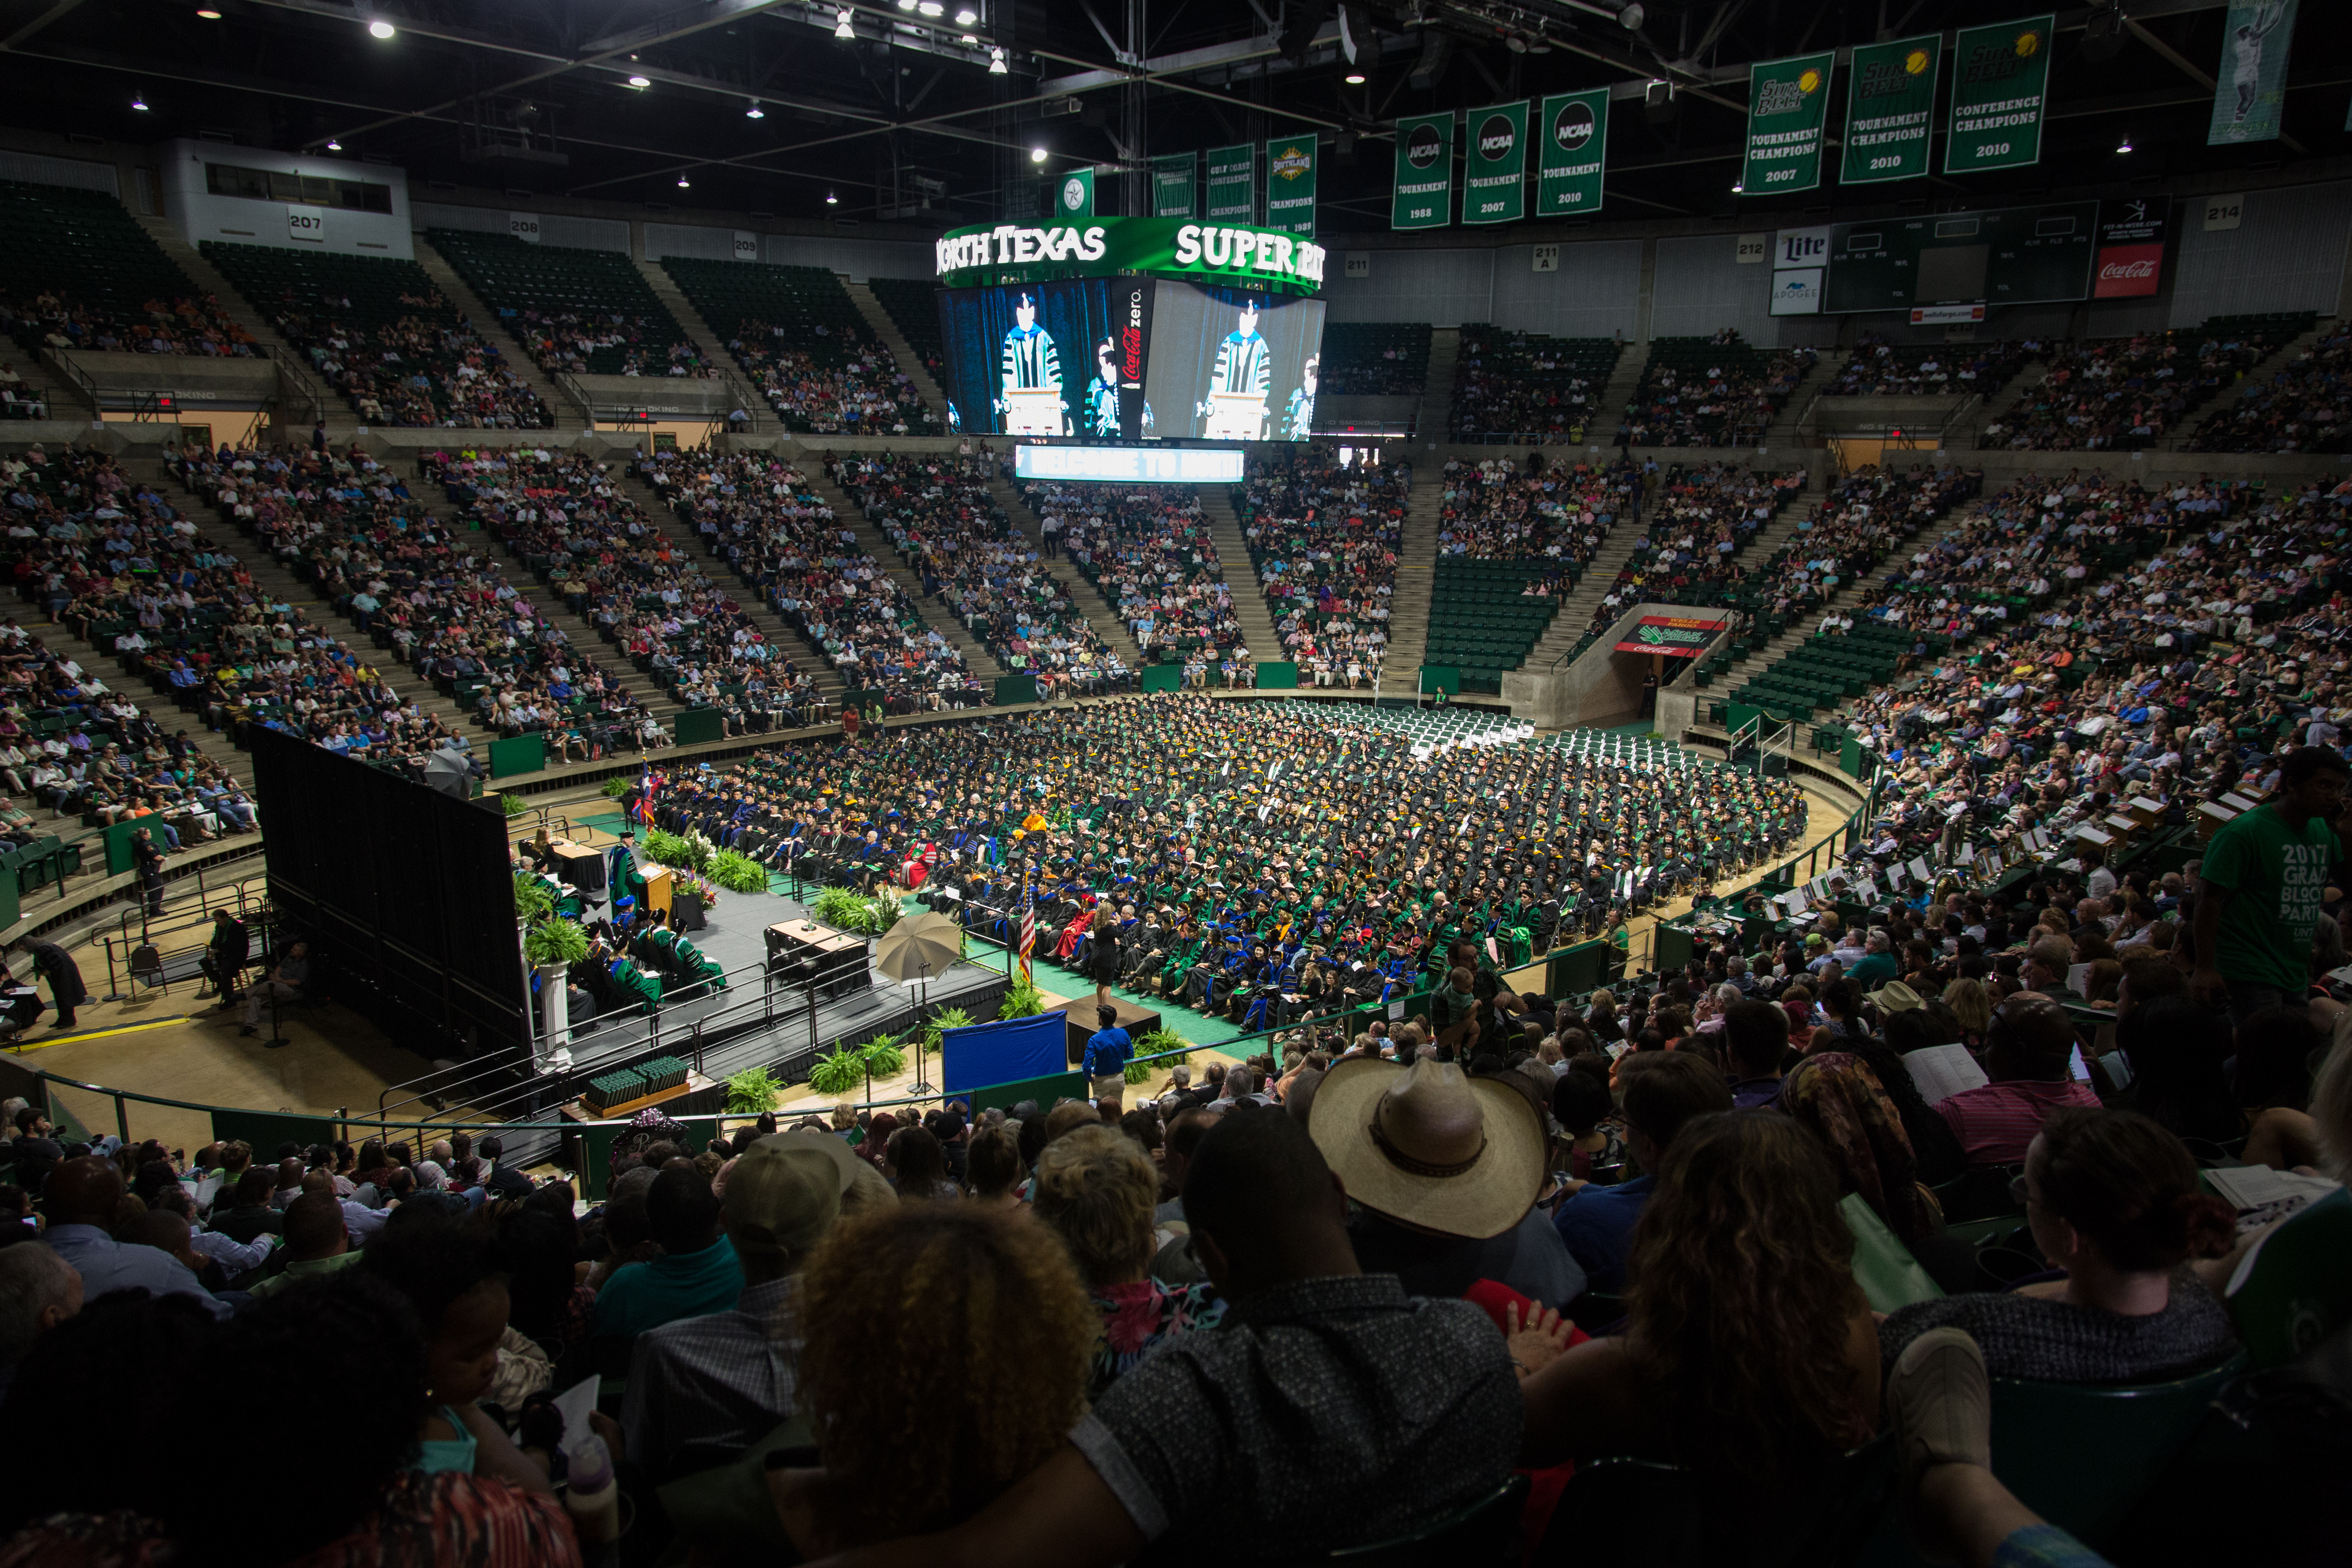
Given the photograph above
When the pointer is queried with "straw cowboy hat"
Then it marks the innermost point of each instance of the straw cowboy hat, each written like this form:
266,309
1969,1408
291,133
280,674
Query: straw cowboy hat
1429,1147
1897,997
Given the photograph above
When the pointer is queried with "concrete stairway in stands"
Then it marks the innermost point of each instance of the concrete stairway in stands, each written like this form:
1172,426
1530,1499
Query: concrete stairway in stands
1569,623
766,421
1098,610
63,400
1250,607
2258,376
877,316
342,419
570,419
1623,383
1416,579
805,654
1780,435
936,614
1432,422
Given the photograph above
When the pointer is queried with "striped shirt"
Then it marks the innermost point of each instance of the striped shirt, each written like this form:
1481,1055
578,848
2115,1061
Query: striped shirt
1997,1122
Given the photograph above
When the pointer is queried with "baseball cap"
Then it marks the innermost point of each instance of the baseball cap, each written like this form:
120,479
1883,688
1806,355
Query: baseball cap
781,1196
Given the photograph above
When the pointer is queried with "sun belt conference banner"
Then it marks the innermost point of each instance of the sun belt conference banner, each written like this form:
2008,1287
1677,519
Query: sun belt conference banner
1232,183
1495,164
2000,75
1175,183
1073,195
1890,105
2252,85
1787,102
1573,139
1290,184
1422,195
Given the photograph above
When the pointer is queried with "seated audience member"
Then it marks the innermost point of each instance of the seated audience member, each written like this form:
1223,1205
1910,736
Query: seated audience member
996,1172
2027,1054
1837,1097
1094,1189
1755,1039
2271,1078
696,1272
1444,1170
1750,1378
38,1291
249,1212
945,1359
450,1276
317,1242
2175,1050
1597,1222
1595,1139
2114,1204
83,1197
1222,1447
705,1388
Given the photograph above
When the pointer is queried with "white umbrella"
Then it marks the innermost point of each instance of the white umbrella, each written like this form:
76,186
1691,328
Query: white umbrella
920,947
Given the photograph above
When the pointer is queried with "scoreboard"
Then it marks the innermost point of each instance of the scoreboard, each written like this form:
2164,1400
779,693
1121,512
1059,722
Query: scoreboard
2008,255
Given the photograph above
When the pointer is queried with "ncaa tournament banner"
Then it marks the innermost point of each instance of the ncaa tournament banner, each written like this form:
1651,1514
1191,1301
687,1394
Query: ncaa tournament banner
2000,78
1890,105
1073,195
1788,103
2131,248
1290,184
1574,140
1495,164
2251,88
1175,183
1422,195
1232,183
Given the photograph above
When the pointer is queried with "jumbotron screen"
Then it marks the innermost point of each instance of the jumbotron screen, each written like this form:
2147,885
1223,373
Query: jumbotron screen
1134,359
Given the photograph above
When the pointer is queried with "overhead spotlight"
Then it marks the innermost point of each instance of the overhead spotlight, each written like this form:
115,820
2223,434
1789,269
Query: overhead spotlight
209,15
333,145
1740,187
966,17
1036,155
931,8
1517,45
831,200
755,111
2124,145
996,66
1354,79
684,184
381,28
972,39
1630,18
640,83
905,4
841,27
139,102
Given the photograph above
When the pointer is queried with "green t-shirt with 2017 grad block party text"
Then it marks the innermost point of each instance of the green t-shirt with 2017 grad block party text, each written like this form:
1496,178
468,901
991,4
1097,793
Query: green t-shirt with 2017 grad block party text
2277,882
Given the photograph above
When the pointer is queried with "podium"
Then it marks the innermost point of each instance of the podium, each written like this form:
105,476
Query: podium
658,882
1034,411
1235,417
841,959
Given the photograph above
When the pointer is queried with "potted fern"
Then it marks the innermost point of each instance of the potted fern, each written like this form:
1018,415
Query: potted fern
884,1055
1021,1000
838,1071
753,1092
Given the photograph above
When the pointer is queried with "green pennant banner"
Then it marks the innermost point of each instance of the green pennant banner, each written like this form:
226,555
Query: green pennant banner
1290,184
1175,185
2252,79
1073,195
1573,135
1422,195
1890,106
1788,103
1232,183
1999,77
1495,164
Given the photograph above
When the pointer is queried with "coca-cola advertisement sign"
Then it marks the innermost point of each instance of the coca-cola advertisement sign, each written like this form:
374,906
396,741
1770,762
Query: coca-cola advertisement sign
2131,248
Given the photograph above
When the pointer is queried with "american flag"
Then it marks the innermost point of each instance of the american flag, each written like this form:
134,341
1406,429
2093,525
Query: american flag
647,786
1028,928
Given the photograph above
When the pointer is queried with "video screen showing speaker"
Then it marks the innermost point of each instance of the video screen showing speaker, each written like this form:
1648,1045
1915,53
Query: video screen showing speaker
1037,359
1232,364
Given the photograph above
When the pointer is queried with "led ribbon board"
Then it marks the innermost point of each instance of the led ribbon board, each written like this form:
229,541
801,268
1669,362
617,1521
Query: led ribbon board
991,254
1131,464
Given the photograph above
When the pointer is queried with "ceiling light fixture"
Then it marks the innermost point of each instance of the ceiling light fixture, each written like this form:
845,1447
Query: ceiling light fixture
996,66
209,15
1739,188
841,27
932,9
1355,78
139,102
640,83
684,184
970,38
1630,18
755,111
381,28
2124,145
333,145
1036,155
905,4
831,200
966,17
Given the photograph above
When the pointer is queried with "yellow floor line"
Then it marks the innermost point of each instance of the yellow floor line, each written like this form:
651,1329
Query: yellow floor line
79,1036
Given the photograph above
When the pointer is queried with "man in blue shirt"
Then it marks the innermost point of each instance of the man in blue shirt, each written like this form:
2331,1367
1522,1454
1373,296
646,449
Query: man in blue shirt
1664,1090
698,1272
82,1196
1107,1050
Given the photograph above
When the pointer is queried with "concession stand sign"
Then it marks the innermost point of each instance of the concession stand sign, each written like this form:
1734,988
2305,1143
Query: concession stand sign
1683,635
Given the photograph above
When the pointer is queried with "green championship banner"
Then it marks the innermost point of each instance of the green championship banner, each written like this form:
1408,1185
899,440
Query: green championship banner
1241,254
1890,102
1232,183
1073,195
2252,85
1999,78
1290,184
1423,196
1788,103
1175,185
1574,132
1495,171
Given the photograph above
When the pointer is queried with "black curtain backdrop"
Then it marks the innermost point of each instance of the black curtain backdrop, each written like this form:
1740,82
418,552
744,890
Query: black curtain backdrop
1189,320
403,893
1079,313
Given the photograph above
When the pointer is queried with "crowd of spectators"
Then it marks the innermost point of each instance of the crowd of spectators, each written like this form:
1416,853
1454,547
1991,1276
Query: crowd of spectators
1722,393
761,516
2302,408
2123,394
1531,386
1881,369
567,342
1865,515
1150,553
427,368
1502,508
186,324
1386,371
1699,519
864,392
1325,538
17,398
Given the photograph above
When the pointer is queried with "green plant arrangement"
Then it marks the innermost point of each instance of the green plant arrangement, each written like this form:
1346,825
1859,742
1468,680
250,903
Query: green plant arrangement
667,848
737,873
512,803
884,1055
556,942
1152,1045
1021,1000
532,900
838,1071
844,909
946,1018
752,1092
614,788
